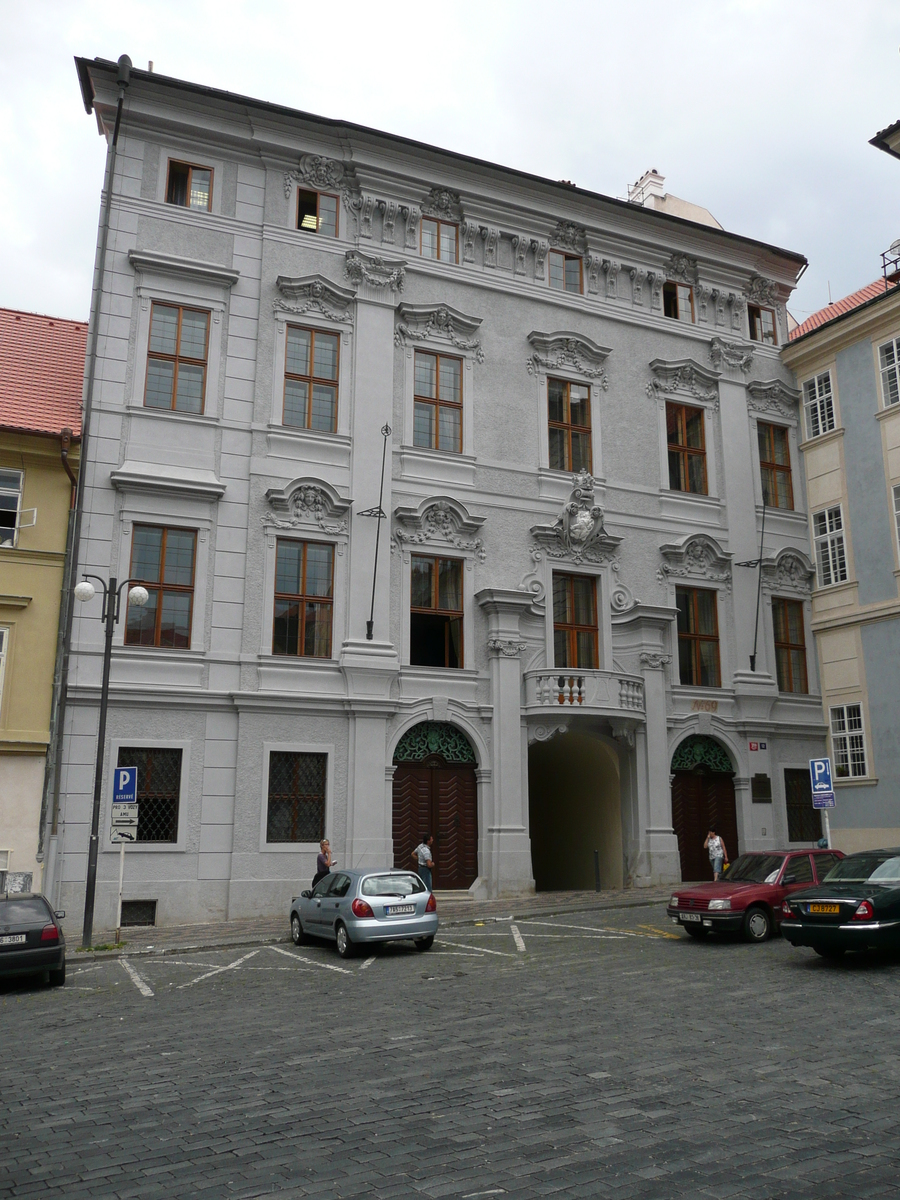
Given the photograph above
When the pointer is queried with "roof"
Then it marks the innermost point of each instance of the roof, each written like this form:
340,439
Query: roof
41,372
882,139
839,309
85,66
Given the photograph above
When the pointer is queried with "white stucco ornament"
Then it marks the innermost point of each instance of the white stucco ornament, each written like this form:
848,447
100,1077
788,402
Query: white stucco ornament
578,532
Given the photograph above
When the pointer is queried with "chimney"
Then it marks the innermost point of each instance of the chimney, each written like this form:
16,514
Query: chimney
650,185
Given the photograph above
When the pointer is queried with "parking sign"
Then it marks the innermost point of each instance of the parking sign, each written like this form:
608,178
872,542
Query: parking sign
820,783
125,785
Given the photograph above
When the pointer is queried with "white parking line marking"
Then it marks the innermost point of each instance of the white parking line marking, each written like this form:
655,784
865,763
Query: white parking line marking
586,928
84,970
141,986
480,949
218,970
517,938
170,961
312,961
367,963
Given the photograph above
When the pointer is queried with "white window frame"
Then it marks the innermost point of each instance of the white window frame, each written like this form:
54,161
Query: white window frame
842,740
830,546
326,748
818,405
20,511
896,493
144,743
890,374
5,635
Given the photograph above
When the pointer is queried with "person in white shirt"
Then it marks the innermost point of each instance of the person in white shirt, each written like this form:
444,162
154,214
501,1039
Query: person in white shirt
423,860
717,853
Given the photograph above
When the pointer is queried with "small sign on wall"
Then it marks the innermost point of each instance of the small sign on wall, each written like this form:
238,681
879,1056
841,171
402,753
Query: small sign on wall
758,745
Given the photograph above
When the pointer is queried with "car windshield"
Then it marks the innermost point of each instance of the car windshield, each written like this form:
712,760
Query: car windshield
17,912
755,868
391,885
863,868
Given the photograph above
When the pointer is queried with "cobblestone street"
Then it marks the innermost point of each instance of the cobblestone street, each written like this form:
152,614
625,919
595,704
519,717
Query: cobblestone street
583,1054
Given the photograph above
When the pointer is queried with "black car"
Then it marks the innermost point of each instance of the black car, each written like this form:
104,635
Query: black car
857,907
31,938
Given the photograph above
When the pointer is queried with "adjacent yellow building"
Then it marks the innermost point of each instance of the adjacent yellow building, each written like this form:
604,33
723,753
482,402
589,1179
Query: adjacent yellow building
41,371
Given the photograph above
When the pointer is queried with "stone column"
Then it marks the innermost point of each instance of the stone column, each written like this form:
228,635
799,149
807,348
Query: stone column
507,845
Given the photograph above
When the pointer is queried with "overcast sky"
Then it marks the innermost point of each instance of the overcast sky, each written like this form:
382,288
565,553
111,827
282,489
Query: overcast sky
760,110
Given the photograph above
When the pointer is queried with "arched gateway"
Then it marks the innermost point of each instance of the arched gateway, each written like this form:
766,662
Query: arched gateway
702,798
435,789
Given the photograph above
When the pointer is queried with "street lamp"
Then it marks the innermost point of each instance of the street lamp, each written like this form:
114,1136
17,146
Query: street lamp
112,598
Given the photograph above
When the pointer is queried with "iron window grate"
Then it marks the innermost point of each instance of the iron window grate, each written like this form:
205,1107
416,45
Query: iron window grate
296,810
138,912
159,787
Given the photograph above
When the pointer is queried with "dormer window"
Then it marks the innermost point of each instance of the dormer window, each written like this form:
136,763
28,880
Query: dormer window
762,325
678,302
189,186
317,212
565,272
440,240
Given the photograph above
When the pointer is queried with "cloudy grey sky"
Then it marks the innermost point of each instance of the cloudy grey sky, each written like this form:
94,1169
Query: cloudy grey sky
761,110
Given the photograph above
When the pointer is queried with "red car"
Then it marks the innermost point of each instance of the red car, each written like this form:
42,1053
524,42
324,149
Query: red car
750,896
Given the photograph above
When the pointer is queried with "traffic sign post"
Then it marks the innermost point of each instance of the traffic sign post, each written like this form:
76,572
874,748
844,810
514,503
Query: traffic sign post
822,790
124,824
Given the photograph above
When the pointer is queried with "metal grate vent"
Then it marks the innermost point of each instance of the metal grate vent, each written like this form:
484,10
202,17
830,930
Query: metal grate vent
159,785
138,912
296,796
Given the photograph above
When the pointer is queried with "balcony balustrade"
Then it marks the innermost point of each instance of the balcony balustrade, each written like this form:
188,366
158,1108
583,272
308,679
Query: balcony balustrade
588,691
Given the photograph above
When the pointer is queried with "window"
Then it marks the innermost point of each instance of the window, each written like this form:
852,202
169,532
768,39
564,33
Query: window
790,645
310,379
775,465
897,509
804,821
574,621
10,500
824,863
437,412
761,789
176,359
189,186
799,866
159,789
436,616
698,637
762,325
162,560
317,212
4,650
440,240
304,598
889,355
819,405
687,448
565,272
828,534
296,811
848,741
678,302
569,407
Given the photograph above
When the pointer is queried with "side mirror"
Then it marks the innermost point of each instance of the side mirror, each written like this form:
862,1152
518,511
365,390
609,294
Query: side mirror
60,915
788,879
305,895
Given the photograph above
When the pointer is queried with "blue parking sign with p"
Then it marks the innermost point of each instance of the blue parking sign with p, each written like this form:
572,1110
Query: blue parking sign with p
125,785
820,775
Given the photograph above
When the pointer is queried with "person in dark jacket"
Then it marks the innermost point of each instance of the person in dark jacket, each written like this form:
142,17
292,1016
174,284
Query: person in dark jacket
324,861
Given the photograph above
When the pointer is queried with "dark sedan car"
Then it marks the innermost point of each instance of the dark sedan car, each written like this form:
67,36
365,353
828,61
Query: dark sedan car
856,908
31,938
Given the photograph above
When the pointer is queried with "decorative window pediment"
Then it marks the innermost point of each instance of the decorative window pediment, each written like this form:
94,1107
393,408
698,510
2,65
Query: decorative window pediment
151,478
439,521
788,572
683,377
438,322
443,205
697,557
683,269
308,504
773,396
321,174
314,294
730,354
148,263
568,351
578,533
569,236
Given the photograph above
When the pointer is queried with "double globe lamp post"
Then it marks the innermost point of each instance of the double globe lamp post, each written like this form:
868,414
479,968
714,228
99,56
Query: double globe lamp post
112,601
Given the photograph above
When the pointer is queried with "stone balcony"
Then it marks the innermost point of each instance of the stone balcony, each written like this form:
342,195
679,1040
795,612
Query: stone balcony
592,693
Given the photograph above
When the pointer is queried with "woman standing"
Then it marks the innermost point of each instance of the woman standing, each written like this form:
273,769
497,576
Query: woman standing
717,853
324,861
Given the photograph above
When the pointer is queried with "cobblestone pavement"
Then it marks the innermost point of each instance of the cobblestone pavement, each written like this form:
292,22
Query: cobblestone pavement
600,1054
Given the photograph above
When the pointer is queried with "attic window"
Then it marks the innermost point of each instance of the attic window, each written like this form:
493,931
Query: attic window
678,302
189,186
762,325
10,499
317,212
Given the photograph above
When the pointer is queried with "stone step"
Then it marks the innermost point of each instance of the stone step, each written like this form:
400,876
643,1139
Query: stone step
447,896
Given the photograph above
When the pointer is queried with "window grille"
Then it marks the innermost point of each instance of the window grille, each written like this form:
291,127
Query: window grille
296,811
159,789
138,912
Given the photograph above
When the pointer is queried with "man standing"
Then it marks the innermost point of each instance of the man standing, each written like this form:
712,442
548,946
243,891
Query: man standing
717,853
422,857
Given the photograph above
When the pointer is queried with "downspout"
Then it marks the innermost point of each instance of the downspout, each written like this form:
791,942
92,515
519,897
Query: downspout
123,79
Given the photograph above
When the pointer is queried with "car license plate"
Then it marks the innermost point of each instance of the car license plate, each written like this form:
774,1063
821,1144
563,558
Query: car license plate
13,939
823,908
393,910
688,916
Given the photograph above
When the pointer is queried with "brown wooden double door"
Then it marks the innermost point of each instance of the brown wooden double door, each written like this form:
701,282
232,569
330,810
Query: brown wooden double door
702,800
442,800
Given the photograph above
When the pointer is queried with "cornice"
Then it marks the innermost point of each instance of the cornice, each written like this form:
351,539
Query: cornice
169,480
307,502
871,320
314,293
570,351
425,322
772,396
147,261
683,376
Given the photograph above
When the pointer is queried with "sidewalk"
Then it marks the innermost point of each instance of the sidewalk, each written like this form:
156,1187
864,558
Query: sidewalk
257,932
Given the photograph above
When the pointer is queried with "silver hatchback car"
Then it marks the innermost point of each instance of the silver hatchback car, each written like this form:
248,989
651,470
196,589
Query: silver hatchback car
356,906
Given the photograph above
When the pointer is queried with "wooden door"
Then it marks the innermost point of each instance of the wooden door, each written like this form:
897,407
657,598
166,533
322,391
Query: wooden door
701,799
443,800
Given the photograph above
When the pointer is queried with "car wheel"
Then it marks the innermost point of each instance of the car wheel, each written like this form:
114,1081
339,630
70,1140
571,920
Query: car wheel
832,953
757,925
298,937
345,947
58,978
697,932
424,943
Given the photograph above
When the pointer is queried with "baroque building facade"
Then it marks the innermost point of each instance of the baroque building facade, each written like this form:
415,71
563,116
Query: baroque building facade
442,479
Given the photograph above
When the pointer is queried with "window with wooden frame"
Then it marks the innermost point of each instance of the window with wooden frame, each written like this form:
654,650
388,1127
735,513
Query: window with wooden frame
311,379
889,360
158,790
819,404
436,612
297,786
678,302
565,272
162,561
10,503
575,639
762,325
176,358
317,212
848,741
437,402
828,537
440,240
775,465
790,645
569,411
698,637
189,186
686,441
304,598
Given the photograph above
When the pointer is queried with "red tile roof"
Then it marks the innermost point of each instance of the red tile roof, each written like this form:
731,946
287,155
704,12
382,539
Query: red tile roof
41,372
839,308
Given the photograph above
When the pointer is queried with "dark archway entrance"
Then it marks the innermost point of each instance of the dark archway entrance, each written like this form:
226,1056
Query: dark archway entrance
435,790
702,798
